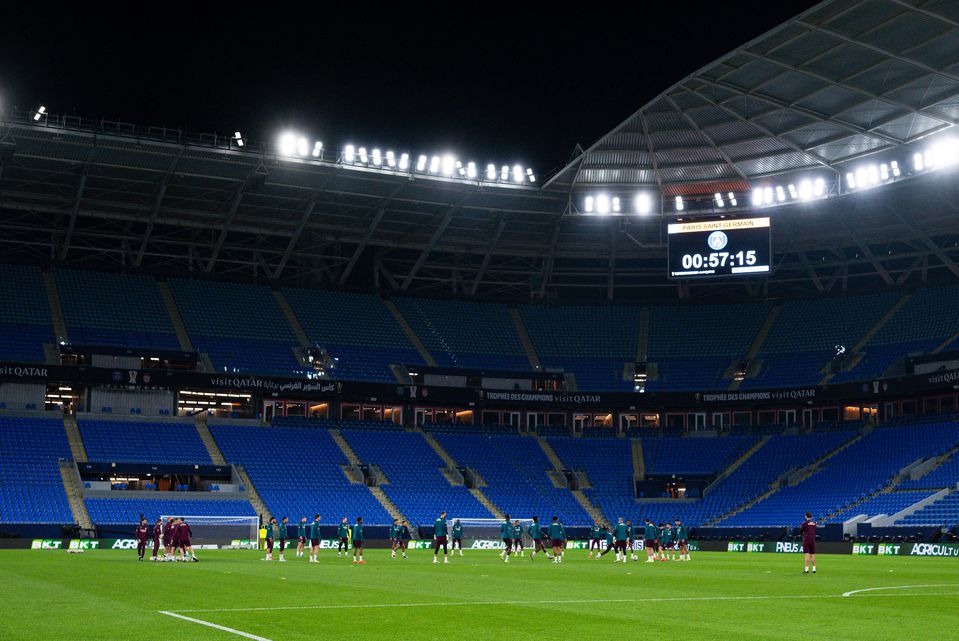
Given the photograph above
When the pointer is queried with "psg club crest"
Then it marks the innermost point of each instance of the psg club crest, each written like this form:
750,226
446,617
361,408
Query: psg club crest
717,240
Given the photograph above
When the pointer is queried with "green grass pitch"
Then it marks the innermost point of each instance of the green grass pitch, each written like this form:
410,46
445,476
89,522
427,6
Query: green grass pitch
107,595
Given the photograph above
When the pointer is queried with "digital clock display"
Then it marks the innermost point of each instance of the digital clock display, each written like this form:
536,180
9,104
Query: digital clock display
726,247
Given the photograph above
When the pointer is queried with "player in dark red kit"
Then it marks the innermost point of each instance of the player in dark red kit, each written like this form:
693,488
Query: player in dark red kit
185,534
808,529
157,533
168,540
175,540
143,534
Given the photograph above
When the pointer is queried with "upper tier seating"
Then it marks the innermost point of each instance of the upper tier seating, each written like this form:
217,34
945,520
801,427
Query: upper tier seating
693,345
852,475
240,326
356,329
108,308
515,470
693,456
804,336
943,512
460,334
946,475
927,319
31,489
416,485
296,471
887,503
143,442
127,511
25,314
593,342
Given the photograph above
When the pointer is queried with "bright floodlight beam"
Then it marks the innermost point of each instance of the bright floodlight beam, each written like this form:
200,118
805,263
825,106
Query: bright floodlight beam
471,170
680,205
317,149
349,154
643,204
41,112
404,162
238,137
288,144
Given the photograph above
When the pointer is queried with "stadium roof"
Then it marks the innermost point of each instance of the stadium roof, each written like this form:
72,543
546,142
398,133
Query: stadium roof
843,80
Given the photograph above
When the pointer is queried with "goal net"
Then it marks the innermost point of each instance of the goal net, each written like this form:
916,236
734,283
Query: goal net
485,533
237,531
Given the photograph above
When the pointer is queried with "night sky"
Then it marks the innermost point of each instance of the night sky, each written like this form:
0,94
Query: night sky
488,81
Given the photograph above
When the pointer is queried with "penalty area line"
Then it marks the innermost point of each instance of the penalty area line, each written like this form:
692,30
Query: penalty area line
208,624
900,587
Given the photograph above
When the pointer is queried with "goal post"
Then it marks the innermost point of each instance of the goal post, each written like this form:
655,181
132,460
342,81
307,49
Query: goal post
237,531
485,533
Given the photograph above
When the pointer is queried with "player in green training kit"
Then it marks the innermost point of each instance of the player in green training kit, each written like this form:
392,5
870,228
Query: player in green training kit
620,535
610,542
629,540
457,537
440,533
506,533
557,536
682,540
403,534
357,537
315,539
300,537
595,534
518,546
271,532
666,543
343,534
536,533
394,538
650,542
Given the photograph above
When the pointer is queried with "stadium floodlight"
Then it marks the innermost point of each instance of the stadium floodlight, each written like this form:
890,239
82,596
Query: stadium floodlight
680,205
780,193
530,174
390,159
317,149
421,164
616,205
643,203
884,172
850,180
435,165
518,174
377,157
238,137
303,146
471,169
588,204
757,197
602,204
805,189
767,195
873,173
732,199
41,112
943,154
449,163
491,172
862,178
405,162
917,162
792,191
718,197
364,157
504,173
819,187
896,172
349,153
287,144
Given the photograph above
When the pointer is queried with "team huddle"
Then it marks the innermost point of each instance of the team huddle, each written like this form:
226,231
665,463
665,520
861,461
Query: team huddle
660,539
176,536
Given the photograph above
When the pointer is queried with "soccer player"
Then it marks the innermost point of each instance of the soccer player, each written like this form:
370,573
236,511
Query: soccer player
343,532
404,537
175,540
142,533
157,533
667,543
535,533
651,541
271,532
439,538
394,538
620,535
457,536
808,529
300,537
629,540
682,540
544,540
609,539
284,532
518,546
506,533
315,539
185,544
357,537
168,540
595,533
557,535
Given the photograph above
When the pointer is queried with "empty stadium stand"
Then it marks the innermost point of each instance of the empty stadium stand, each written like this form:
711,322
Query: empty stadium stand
693,456
31,489
25,323
944,512
126,511
608,463
143,442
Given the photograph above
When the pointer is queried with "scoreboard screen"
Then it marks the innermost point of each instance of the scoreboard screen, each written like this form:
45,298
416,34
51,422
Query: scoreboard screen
727,247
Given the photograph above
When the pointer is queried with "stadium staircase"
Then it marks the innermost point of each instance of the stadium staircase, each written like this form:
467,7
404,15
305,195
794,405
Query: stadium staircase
252,495
854,353
737,463
946,343
71,485
355,476
292,319
524,339
77,448
387,504
558,477
758,341
56,310
209,442
485,502
410,334
451,472
174,313
639,461
642,341
792,477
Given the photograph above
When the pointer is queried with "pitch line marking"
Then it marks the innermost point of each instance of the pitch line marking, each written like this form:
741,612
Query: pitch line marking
214,625
433,604
900,587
